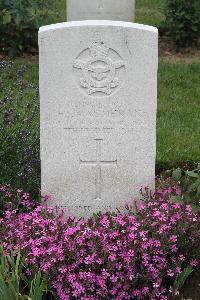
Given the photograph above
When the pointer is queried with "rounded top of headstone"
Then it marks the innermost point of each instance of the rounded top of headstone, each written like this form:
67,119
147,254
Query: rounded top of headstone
116,10
99,23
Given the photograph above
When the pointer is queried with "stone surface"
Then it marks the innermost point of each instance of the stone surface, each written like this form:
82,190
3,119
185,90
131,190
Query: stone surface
117,10
98,90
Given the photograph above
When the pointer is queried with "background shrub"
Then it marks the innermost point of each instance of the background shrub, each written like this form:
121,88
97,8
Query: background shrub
19,128
19,23
183,21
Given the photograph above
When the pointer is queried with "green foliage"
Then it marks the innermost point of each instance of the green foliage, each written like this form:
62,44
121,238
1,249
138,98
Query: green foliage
14,285
183,21
10,270
177,174
182,277
190,186
38,287
150,12
19,127
19,23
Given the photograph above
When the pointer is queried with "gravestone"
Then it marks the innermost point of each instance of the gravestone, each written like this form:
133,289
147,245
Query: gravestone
98,90
117,10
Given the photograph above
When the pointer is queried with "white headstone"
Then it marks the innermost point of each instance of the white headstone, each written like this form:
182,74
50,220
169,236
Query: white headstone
117,10
98,90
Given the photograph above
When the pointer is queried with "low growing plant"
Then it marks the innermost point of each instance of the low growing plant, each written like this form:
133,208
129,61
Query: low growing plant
145,253
190,186
19,128
14,285
11,199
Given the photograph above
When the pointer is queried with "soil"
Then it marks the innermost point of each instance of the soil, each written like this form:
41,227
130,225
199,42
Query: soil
191,289
169,52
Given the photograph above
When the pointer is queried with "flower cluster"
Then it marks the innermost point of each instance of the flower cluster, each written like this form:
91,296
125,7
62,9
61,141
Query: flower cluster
134,255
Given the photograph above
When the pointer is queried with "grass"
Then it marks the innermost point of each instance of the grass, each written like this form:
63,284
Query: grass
60,6
178,122
149,12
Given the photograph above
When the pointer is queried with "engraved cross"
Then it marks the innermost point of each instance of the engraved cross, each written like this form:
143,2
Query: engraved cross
98,162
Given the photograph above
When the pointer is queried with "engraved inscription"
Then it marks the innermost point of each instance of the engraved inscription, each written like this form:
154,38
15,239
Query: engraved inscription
101,4
99,66
98,162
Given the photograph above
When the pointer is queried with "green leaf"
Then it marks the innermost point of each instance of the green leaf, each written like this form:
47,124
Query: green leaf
176,199
187,198
38,287
198,191
192,174
194,185
195,208
176,174
6,18
182,277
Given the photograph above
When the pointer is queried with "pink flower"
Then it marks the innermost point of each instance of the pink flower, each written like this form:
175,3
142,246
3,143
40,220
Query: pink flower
132,236
105,222
70,231
173,238
193,263
112,257
107,255
181,257
35,252
156,285
170,273
113,278
8,214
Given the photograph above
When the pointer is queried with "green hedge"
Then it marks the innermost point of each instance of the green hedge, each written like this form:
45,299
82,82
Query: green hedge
183,21
20,21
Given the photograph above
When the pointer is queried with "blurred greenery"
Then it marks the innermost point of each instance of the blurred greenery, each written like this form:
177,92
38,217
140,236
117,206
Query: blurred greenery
150,12
183,21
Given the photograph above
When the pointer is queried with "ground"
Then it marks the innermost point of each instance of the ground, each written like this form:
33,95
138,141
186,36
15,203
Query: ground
191,290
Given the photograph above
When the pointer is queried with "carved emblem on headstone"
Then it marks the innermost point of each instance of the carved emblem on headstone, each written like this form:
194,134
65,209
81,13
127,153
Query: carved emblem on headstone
99,66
